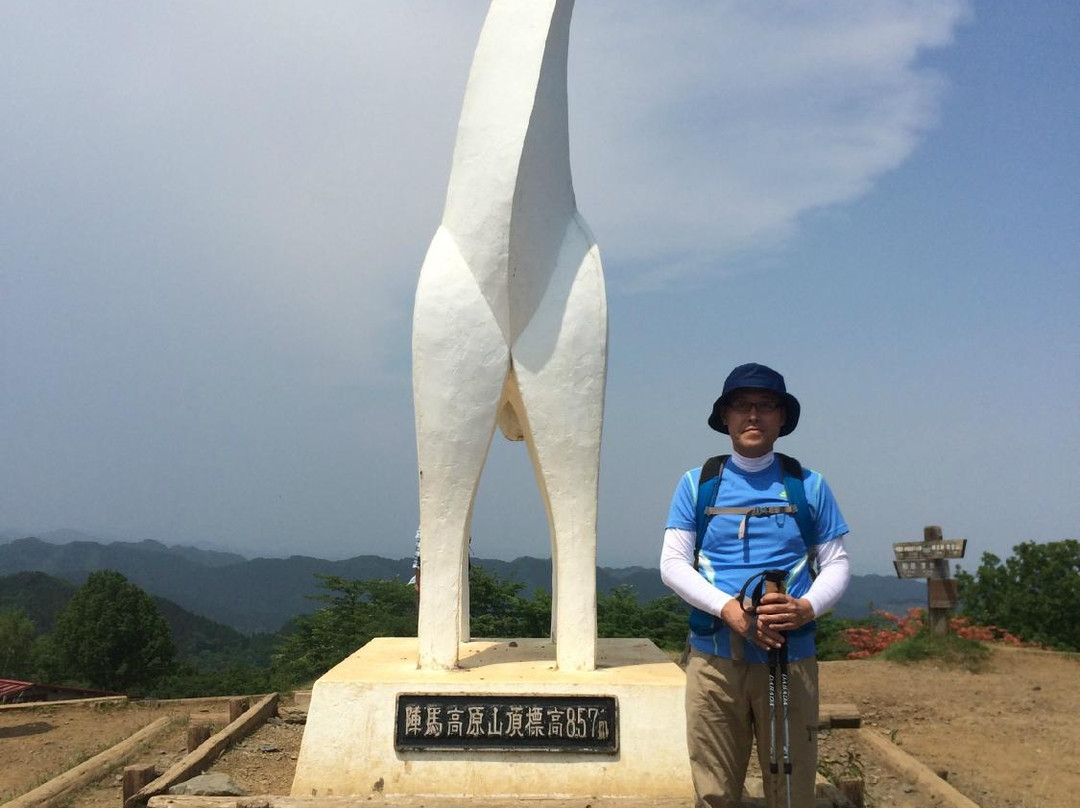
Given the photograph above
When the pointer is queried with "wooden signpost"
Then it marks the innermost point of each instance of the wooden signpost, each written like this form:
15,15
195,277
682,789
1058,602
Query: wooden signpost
927,559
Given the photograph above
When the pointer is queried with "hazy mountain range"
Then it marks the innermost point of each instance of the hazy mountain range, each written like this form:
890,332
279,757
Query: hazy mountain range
262,594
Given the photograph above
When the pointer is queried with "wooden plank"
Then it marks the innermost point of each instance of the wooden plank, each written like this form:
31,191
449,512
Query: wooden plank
839,716
195,762
193,700
135,777
849,792
272,801
237,707
852,790
197,735
37,705
171,801
929,784
61,787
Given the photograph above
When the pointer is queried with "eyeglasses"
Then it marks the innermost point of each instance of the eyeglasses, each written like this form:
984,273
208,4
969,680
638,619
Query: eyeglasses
742,406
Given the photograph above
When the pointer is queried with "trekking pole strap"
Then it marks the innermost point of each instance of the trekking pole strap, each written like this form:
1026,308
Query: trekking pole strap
758,582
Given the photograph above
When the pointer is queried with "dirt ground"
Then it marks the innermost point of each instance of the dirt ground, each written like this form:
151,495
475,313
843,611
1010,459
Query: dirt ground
1007,737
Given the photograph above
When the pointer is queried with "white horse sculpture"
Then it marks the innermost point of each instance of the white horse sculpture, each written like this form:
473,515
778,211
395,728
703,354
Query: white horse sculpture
510,328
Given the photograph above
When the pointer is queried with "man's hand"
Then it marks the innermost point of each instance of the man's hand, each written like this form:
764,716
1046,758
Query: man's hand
750,626
781,612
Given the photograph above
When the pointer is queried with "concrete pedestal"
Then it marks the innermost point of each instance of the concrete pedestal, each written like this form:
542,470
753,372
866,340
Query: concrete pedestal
348,746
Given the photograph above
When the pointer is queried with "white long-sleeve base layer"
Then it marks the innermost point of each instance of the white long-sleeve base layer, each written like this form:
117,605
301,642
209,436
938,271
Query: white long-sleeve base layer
677,572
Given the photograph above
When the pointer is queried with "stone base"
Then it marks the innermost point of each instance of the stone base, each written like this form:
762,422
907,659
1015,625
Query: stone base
348,747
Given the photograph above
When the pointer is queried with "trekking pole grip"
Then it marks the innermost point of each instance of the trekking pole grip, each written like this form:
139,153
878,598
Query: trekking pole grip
774,581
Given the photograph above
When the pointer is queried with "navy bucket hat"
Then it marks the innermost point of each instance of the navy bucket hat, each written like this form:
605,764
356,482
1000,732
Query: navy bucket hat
756,377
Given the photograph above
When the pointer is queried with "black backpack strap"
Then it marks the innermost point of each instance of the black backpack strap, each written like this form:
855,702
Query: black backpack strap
796,495
713,467
708,484
790,465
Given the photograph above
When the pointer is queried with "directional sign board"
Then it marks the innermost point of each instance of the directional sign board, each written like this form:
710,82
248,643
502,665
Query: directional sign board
946,548
916,568
927,559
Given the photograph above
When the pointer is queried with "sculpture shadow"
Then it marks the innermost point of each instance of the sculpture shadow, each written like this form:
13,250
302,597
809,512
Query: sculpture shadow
512,651
543,650
23,730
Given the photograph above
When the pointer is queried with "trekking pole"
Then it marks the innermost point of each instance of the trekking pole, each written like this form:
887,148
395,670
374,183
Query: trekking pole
772,718
774,582
763,583
784,705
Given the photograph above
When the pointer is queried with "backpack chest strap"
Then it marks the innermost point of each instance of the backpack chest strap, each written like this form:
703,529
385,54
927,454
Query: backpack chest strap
746,513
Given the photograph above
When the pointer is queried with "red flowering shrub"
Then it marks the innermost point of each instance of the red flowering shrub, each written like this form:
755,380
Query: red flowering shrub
889,629
963,627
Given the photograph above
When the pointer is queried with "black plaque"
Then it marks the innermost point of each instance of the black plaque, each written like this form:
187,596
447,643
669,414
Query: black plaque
489,723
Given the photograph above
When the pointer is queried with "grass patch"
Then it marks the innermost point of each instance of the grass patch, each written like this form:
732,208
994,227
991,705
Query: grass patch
845,766
949,650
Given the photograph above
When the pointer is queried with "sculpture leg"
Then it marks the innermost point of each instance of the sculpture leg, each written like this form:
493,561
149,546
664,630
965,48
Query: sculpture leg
460,361
560,364
465,618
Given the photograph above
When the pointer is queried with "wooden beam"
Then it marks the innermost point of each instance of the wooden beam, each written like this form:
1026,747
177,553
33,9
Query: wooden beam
839,716
135,777
197,735
61,787
264,801
237,707
272,801
194,700
37,705
197,761
928,783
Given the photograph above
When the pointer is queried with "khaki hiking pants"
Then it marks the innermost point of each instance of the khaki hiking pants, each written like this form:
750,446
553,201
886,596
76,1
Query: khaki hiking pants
727,706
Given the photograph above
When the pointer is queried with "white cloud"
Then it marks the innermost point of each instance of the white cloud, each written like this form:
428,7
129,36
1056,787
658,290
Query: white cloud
712,127
288,162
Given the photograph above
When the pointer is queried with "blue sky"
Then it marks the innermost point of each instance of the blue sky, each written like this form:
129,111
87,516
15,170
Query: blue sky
212,218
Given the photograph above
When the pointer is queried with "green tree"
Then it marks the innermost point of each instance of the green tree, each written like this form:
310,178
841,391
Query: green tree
111,635
354,613
190,681
1033,593
830,641
619,614
665,621
494,605
498,609
17,639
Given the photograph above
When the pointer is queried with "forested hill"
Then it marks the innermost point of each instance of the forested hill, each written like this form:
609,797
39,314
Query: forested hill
262,594
42,597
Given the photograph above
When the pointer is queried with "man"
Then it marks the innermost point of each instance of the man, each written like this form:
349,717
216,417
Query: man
727,674
415,580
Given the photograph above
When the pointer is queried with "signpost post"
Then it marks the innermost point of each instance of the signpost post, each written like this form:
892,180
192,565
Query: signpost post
927,559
